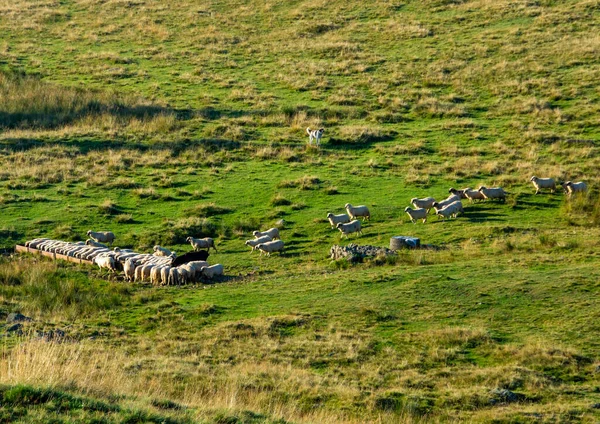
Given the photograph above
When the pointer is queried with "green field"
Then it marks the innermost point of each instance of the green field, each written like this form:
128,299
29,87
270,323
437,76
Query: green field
158,121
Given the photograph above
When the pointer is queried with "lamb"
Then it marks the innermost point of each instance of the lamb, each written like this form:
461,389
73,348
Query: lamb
425,203
451,210
107,262
459,193
351,227
256,242
129,269
214,270
357,211
204,243
189,257
102,236
336,219
161,251
473,194
571,187
493,193
270,247
271,232
415,214
540,183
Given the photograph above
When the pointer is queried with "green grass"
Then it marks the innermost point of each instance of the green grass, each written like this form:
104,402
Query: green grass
161,122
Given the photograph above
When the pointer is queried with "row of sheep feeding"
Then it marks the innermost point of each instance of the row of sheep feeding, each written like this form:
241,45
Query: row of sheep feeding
159,269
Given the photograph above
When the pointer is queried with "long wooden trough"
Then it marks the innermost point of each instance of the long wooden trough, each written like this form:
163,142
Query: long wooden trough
53,255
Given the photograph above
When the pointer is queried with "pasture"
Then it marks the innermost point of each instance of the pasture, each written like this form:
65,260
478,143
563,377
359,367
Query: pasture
158,121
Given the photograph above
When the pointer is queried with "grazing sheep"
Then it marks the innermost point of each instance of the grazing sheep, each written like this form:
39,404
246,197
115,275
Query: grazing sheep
271,232
155,275
571,187
189,257
415,214
94,243
451,210
351,227
425,203
336,219
493,193
204,243
357,211
188,272
102,236
256,242
540,183
174,276
161,251
107,262
270,247
459,193
129,269
473,195
214,270
164,274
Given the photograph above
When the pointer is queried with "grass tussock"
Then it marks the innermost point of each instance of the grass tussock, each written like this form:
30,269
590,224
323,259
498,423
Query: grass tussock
583,209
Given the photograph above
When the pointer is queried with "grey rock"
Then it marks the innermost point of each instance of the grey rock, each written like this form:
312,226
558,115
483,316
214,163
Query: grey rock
17,317
356,253
498,396
16,329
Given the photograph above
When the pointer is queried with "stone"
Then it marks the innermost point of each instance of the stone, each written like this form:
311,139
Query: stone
356,253
16,317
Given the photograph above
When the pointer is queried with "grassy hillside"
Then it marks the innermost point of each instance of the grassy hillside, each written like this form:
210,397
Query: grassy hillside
158,121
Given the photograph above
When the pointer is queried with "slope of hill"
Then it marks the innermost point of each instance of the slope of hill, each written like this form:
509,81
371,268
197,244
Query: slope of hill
160,120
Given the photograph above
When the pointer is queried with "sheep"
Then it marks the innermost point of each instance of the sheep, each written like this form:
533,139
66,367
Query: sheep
204,243
459,193
256,242
336,219
357,211
90,242
473,194
271,232
189,272
540,183
571,187
174,276
189,257
425,203
164,274
451,210
493,193
351,227
161,251
146,272
155,275
415,214
107,262
129,269
270,247
102,236
214,270
447,201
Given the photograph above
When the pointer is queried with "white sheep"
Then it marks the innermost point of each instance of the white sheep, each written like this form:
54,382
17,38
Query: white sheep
271,232
164,274
425,203
256,242
540,183
451,210
351,227
459,193
102,236
174,276
357,211
447,201
415,214
270,247
336,219
155,277
188,272
129,269
579,187
161,251
493,193
94,243
212,271
105,261
473,194
203,243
